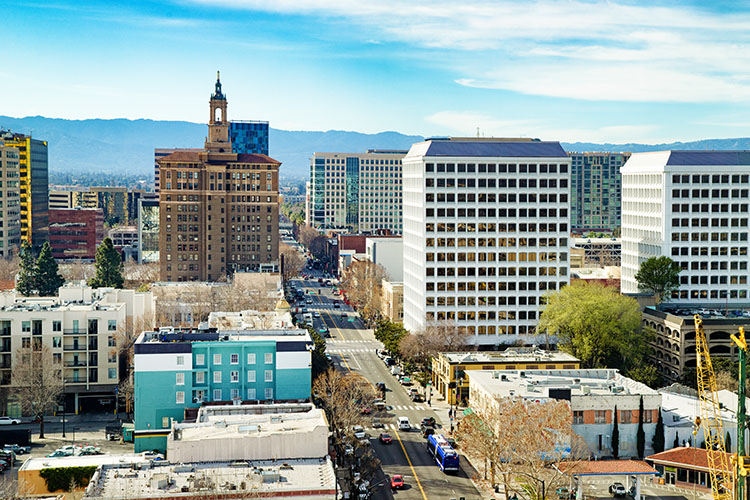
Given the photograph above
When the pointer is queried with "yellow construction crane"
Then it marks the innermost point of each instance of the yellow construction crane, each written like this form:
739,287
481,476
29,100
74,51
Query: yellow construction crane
722,478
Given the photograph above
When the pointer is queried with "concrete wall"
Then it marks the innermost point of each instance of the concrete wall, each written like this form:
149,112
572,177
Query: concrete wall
388,253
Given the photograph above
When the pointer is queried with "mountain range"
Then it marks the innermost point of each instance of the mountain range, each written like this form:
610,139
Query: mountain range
121,145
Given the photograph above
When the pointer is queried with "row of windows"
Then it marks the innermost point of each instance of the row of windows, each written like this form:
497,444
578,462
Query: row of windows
715,280
709,193
475,301
234,359
234,377
706,222
501,183
492,256
497,198
449,227
471,286
493,242
491,212
218,395
492,168
712,236
704,179
704,207
713,294
701,251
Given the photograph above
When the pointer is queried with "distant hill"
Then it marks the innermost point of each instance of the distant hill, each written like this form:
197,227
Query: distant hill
118,146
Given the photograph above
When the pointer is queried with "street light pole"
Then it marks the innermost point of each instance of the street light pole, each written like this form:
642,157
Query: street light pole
63,411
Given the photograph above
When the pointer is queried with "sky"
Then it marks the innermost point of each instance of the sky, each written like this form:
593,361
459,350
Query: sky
612,71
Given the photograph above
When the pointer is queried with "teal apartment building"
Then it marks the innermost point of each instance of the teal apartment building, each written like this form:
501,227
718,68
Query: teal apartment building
178,370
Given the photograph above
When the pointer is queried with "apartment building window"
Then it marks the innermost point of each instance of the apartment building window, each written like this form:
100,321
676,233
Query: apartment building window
217,394
180,360
165,422
26,326
217,359
57,326
251,358
179,378
112,373
235,394
251,393
269,393
112,325
251,375
600,416
217,377
269,358
180,397
234,376
234,358
648,416
577,417
200,359
200,377
269,376
626,416
56,342
111,341
26,342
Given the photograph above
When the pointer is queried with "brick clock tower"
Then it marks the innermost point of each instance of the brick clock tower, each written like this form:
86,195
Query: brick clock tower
218,124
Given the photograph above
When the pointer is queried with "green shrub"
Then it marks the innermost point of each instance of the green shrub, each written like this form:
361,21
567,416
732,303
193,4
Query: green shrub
61,478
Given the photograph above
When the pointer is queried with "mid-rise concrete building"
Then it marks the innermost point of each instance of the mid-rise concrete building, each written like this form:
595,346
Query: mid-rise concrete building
449,368
595,190
33,186
691,206
75,233
392,301
387,253
486,234
81,328
218,210
178,370
10,216
357,192
594,396
60,199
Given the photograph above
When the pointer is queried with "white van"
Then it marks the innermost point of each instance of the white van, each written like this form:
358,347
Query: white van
404,424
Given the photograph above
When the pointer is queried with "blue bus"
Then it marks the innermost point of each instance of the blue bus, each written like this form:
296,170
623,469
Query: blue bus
443,453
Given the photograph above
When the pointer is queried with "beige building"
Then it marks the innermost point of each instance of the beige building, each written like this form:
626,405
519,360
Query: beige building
392,303
218,210
449,369
60,199
10,215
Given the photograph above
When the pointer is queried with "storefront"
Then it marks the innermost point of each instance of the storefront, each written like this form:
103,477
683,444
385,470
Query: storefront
685,467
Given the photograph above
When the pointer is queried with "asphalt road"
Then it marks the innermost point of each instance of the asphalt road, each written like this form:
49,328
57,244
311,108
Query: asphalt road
352,348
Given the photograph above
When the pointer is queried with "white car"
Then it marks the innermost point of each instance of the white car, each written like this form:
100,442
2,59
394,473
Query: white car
9,421
359,432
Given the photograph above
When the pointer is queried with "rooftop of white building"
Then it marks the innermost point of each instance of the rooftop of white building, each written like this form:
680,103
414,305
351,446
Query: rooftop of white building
687,158
171,335
681,405
250,320
72,297
268,479
81,461
510,355
537,383
487,147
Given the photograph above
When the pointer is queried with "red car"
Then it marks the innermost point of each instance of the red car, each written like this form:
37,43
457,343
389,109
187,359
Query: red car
365,411
397,482
385,438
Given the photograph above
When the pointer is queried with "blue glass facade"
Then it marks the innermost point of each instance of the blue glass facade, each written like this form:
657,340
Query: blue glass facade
249,137
352,193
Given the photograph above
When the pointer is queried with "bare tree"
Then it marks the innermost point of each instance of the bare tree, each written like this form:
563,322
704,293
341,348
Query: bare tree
77,271
293,261
140,275
307,234
363,281
435,337
344,396
37,381
9,267
492,434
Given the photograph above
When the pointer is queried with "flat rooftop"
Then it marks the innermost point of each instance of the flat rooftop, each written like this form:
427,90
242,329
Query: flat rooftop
509,356
222,426
212,335
707,312
81,461
303,478
45,304
537,383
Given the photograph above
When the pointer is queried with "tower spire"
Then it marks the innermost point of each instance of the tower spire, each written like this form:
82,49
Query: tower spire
217,90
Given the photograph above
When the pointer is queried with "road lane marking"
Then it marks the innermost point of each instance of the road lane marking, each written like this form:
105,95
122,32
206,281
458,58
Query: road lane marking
414,472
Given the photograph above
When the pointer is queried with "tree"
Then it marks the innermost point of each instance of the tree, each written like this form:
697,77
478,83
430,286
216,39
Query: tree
615,437
640,434
363,281
37,381
658,440
109,267
676,443
596,324
391,335
307,234
293,261
9,267
26,282
492,433
48,277
437,336
659,276
645,374
319,361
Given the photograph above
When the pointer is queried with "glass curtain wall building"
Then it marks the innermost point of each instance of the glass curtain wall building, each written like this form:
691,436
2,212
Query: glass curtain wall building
250,137
595,191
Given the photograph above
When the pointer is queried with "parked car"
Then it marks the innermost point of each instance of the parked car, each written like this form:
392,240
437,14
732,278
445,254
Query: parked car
18,450
152,455
428,421
359,432
404,424
617,489
58,453
385,438
90,450
397,482
377,423
336,305
9,421
417,398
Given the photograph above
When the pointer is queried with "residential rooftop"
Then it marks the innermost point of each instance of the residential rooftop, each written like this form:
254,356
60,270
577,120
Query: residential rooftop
303,478
539,383
171,335
510,355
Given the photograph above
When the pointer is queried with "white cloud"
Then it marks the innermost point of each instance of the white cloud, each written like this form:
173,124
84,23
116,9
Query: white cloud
465,123
594,50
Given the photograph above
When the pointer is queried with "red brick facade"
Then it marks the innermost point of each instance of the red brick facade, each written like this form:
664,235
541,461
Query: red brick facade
75,233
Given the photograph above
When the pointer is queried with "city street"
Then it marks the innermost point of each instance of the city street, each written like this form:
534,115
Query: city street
352,348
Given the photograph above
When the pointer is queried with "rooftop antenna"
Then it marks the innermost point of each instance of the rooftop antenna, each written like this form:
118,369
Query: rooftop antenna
477,131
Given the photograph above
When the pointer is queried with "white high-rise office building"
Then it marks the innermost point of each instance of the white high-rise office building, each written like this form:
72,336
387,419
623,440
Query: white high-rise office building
691,206
486,228
359,192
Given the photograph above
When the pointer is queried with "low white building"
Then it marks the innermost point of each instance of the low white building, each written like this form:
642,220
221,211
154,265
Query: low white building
593,397
82,328
387,253
250,432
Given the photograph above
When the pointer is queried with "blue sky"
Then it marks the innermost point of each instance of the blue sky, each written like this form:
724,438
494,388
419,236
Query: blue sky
600,71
